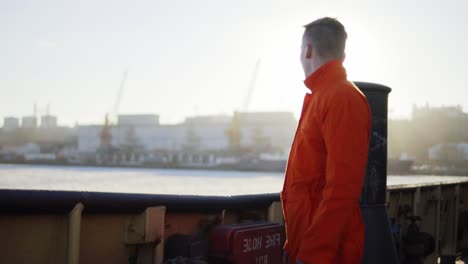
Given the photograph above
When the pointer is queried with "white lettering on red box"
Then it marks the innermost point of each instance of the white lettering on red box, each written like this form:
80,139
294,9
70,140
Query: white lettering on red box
252,244
261,260
273,240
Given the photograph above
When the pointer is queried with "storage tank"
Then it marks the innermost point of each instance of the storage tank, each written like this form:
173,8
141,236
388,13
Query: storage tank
10,124
48,121
29,122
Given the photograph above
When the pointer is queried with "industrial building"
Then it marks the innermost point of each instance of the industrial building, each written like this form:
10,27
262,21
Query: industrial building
49,136
141,138
143,135
267,130
29,122
138,120
449,152
48,121
10,124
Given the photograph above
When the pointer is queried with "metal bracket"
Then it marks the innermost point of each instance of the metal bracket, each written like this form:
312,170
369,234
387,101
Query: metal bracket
146,232
275,213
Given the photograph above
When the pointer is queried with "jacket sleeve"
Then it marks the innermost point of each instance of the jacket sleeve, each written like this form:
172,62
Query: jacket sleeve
345,130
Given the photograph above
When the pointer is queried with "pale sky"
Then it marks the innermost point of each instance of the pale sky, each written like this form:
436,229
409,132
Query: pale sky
197,57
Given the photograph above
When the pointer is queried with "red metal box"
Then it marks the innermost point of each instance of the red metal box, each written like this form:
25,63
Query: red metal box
260,243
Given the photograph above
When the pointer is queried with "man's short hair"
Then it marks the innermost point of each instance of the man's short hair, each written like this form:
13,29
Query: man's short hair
328,37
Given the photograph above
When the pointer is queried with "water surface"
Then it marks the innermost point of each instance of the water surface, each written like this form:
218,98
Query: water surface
163,181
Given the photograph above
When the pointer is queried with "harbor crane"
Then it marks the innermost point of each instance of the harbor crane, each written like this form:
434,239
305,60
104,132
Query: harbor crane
253,81
119,95
106,135
234,131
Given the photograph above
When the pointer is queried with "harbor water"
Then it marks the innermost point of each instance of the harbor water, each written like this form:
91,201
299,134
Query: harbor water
165,181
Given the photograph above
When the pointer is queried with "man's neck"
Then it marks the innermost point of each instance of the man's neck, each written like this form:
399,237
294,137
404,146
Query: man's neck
315,65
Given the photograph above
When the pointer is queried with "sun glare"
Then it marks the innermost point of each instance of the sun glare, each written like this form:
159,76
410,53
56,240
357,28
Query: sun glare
362,55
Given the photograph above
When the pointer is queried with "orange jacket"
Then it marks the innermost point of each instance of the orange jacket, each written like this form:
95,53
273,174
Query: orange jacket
325,171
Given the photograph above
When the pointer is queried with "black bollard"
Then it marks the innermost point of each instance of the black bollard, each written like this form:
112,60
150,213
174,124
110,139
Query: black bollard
379,245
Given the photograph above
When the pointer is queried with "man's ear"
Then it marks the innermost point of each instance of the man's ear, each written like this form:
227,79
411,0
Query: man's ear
308,51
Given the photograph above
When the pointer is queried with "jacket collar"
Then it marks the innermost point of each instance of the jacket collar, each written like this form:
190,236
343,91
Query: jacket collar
330,71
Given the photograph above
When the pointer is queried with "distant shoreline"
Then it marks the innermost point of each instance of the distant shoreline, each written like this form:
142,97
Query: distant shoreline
168,166
218,168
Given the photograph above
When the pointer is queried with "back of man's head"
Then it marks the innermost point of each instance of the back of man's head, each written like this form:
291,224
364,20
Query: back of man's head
328,38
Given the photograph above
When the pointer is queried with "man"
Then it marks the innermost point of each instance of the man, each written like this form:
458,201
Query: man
328,158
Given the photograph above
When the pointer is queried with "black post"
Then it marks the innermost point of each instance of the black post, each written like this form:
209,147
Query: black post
379,245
